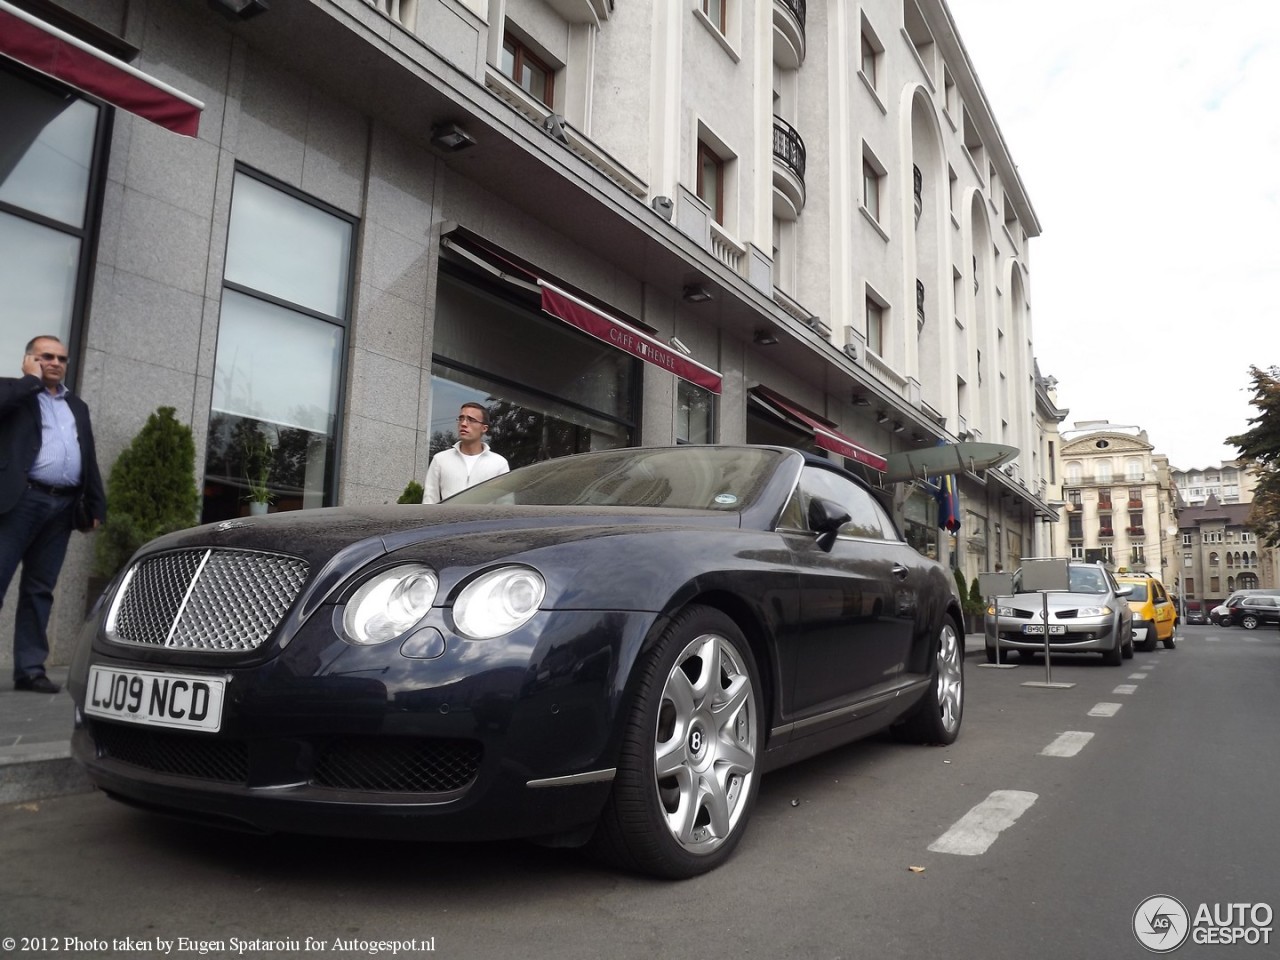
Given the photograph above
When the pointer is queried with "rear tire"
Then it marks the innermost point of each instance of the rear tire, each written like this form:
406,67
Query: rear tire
1249,622
1169,642
937,719
687,770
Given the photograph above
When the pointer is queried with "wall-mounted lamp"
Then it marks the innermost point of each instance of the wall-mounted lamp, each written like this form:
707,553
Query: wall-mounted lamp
240,9
881,416
765,337
917,436
898,427
965,436
451,138
696,293
860,401
679,345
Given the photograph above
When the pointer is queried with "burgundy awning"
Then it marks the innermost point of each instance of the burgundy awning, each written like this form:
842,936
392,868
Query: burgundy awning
565,306
57,54
824,434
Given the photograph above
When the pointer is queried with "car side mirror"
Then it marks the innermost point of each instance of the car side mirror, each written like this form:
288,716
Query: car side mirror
826,517
1124,591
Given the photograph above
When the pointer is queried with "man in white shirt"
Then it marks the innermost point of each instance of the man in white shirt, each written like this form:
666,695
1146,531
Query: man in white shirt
467,462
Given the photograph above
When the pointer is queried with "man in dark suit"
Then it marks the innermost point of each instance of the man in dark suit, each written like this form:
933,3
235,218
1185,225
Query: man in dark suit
47,462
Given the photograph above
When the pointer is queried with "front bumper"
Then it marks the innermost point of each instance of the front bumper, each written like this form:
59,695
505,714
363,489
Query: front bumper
1081,636
491,739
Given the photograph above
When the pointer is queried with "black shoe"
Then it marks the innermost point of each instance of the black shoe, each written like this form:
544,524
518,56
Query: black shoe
40,684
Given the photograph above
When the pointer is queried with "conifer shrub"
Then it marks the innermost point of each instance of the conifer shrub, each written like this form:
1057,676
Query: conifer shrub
412,493
151,491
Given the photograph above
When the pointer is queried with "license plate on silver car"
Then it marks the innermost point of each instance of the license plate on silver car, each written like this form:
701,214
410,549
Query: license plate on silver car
1038,629
157,699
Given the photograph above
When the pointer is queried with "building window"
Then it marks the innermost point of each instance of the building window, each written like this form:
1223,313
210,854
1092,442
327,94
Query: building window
1103,470
1186,560
53,147
1135,522
1075,527
1133,470
875,326
717,12
695,414
869,56
286,294
1186,539
711,181
873,174
1214,584
1077,551
509,357
1104,499
1135,496
1213,559
527,69
1191,586
1073,473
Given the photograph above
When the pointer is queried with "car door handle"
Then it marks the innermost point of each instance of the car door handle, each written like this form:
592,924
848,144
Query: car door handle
900,571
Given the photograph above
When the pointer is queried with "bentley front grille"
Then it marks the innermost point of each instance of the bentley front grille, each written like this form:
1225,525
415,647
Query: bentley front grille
209,599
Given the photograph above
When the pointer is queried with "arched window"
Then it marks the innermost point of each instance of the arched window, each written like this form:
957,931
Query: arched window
1230,560
1073,472
1213,559
1104,471
1253,558
1231,584
1133,470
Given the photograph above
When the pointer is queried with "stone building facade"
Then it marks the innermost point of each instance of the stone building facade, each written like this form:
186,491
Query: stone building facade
648,222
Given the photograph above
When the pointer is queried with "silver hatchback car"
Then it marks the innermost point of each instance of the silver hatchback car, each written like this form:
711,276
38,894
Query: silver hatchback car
1093,616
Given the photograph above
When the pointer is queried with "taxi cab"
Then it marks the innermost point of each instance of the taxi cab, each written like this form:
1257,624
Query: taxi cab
1154,612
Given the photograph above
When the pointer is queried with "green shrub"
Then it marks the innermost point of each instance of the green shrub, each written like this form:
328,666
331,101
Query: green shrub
151,491
412,493
977,602
961,590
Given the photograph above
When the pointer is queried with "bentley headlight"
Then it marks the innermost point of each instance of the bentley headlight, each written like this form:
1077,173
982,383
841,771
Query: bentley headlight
1094,612
390,603
497,602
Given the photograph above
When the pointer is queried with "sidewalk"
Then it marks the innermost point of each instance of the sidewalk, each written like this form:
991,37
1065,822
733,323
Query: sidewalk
35,739
35,743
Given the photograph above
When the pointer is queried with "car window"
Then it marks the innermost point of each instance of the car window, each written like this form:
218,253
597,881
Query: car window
1158,590
867,518
1139,593
1086,580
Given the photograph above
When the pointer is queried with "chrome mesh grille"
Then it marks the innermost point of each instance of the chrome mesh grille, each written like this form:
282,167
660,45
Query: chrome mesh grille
216,600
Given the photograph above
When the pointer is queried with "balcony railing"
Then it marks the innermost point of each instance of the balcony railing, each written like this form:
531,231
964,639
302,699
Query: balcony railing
1104,504
1106,532
797,10
788,148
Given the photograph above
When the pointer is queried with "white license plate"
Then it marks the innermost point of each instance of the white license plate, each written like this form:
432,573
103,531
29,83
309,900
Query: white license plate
156,699
1037,629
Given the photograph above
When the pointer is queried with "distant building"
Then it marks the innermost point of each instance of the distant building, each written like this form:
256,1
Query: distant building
1120,504
1229,482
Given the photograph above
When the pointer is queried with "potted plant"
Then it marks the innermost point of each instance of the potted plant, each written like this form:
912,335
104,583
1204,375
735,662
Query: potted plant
151,491
412,493
259,458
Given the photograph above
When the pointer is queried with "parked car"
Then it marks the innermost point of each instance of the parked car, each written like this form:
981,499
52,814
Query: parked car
1154,613
1221,614
609,649
1195,612
1092,616
1253,610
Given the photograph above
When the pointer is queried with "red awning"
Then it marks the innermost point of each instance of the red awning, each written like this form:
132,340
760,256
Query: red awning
565,306
57,54
824,434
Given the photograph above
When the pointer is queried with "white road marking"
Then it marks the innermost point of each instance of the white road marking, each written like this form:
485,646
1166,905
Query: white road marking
1068,744
1137,676
973,833
1105,709
1125,688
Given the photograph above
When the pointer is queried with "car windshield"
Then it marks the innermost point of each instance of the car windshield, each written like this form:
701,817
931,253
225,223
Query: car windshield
690,477
1087,580
1140,591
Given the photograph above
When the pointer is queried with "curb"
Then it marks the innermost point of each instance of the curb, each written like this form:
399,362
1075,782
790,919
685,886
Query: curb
40,771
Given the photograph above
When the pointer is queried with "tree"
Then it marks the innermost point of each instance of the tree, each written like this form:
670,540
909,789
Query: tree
151,490
1260,448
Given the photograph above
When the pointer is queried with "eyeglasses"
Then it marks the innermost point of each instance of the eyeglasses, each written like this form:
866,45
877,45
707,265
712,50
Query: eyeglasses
463,418
50,357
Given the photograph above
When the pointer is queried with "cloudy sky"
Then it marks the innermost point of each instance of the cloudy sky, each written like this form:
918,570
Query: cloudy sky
1147,134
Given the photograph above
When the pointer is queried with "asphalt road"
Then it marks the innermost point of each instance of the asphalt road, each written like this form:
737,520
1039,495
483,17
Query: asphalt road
1171,791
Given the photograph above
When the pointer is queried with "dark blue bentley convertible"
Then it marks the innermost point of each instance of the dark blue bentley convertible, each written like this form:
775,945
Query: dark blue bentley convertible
609,649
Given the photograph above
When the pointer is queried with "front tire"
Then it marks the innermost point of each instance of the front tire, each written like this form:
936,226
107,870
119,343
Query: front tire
1249,622
687,771
937,719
